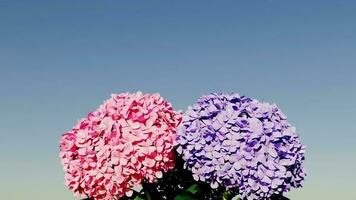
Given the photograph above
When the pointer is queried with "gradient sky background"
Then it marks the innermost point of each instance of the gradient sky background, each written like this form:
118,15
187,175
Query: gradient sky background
61,59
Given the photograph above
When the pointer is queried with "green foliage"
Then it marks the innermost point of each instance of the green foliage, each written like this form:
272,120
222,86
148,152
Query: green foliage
193,189
178,184
185,196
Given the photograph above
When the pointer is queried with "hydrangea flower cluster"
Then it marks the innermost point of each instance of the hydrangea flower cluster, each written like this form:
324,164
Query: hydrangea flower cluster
127,139
238,142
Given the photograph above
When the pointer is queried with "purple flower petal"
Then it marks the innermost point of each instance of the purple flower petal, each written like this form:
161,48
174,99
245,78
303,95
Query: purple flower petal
235,141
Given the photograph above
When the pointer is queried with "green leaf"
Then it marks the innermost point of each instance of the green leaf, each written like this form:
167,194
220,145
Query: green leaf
188,194
228,194
193,189
185,196
148,195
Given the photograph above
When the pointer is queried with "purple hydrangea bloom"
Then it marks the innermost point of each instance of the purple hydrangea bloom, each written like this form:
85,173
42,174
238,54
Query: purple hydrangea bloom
238,142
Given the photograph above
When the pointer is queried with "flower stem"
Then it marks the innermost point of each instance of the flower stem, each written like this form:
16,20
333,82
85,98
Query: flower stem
226,195
148,195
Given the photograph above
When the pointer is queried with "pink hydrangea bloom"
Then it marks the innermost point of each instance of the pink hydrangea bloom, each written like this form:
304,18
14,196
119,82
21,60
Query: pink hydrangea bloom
128,138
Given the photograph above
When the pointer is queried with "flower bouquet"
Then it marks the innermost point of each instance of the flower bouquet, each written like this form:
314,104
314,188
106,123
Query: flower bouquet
226,146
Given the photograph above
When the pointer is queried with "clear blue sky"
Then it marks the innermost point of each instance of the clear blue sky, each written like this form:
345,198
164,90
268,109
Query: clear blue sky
61,59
